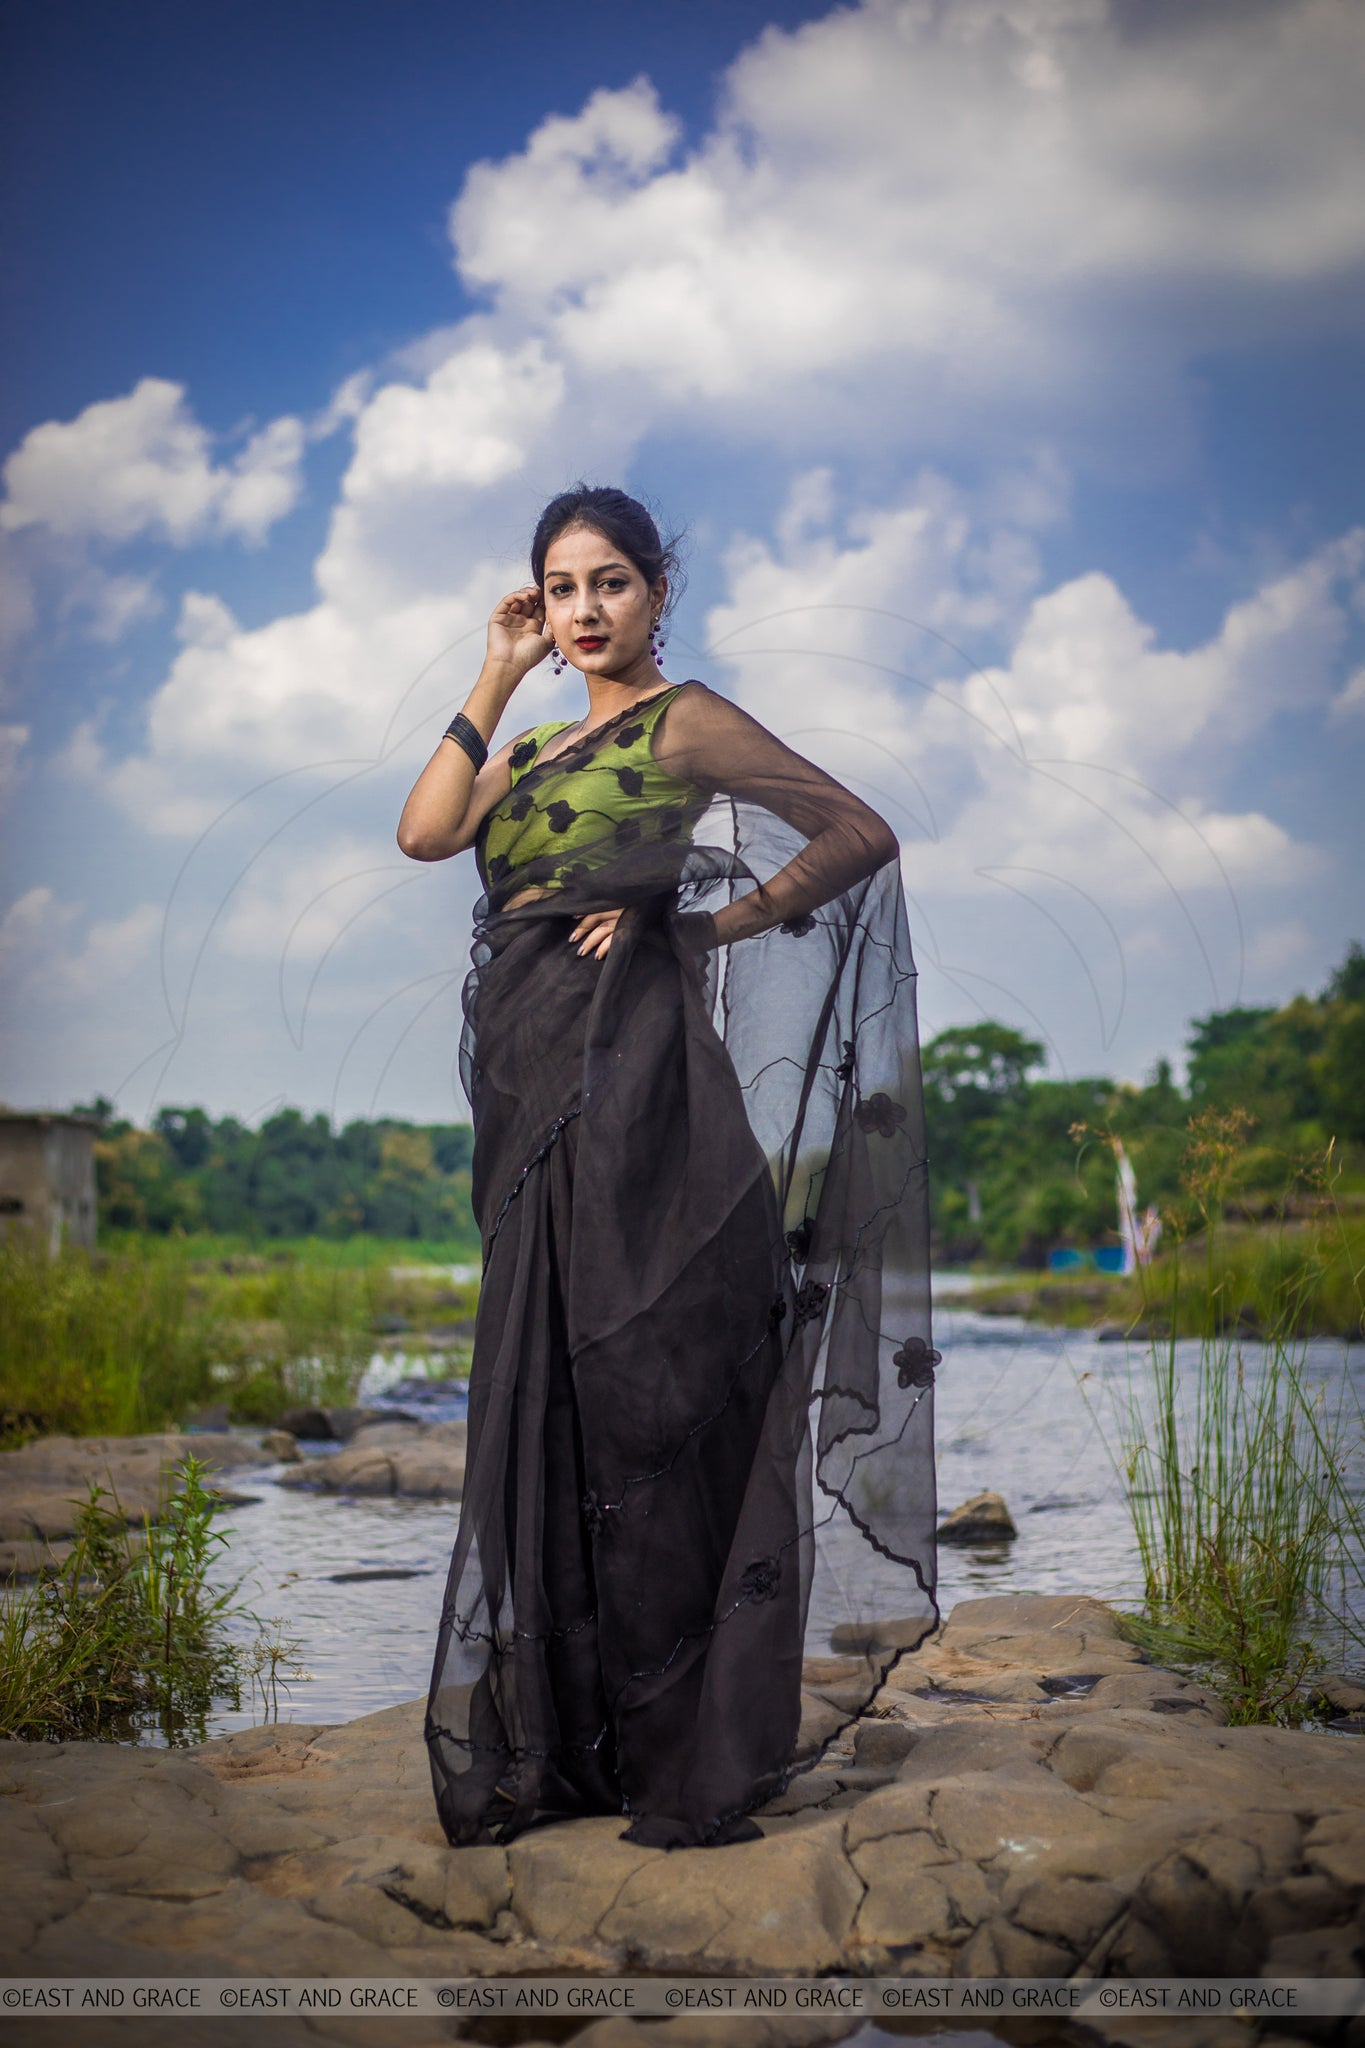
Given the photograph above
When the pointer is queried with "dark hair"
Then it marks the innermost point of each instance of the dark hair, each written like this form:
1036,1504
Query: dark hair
626,524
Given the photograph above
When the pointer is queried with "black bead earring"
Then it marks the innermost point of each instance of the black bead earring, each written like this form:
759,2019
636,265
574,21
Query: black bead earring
656,644
559,662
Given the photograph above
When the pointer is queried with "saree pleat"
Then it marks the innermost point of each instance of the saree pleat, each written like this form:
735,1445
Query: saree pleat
699,1418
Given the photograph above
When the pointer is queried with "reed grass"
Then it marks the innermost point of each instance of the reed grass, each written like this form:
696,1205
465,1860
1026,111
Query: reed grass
115,1342
90,1345
127,1634
1240,1476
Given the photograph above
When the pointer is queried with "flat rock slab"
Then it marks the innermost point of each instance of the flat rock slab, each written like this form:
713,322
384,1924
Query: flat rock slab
43,1484
1092,1832
423,1460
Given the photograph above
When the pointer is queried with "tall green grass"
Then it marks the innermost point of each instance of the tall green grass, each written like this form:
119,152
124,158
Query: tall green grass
114,1342
127,1635
93,1345
1240,1475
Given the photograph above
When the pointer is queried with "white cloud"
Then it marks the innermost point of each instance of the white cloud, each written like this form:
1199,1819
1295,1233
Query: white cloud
41,950
1083,759
112,605
1000,228
1000,189
143,464
13,740
1351,700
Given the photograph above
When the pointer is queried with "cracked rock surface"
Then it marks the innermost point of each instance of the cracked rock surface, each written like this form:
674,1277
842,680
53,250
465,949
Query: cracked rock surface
1026,1798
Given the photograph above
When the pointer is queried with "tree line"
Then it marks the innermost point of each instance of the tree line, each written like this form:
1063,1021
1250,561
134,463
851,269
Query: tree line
294,1176
1019,1163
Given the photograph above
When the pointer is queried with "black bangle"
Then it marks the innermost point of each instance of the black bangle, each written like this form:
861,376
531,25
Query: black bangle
466,734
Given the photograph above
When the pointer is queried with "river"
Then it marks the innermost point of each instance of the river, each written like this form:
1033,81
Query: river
1025,1411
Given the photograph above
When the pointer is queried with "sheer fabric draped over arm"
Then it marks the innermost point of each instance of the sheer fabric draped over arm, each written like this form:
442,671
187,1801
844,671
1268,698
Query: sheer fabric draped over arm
709,741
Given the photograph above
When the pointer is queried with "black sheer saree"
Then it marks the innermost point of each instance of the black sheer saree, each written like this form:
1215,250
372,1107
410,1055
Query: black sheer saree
700,1442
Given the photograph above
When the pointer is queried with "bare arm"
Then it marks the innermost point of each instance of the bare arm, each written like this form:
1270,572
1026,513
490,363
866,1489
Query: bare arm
448,802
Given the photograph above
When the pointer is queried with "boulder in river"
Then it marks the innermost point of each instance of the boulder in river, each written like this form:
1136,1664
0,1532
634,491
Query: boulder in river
982,1519
334,1425
44,1483
281,1445
424,1461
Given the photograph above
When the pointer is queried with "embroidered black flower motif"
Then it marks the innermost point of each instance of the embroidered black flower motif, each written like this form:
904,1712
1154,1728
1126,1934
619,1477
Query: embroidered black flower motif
670,824
628,735
521,806
879,1113
844,1070
759,1581
798,1240
561,816
499,868
593,1512
797,927
632,781
810,1300
776,1312
915,1362
627,831
522,756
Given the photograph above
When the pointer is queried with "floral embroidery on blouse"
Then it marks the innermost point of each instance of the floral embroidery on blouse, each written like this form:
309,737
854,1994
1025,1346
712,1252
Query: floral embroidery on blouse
570,814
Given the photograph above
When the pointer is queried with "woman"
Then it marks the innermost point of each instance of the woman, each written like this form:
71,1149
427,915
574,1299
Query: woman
699,1414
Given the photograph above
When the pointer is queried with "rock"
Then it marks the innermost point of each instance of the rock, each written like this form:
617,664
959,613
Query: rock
423,1461
878,1744
1061,1836
861,1639
1339,1694
281,1445
335,1425
982,1519
44,1483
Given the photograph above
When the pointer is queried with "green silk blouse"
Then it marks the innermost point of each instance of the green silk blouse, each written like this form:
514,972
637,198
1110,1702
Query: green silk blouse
561,822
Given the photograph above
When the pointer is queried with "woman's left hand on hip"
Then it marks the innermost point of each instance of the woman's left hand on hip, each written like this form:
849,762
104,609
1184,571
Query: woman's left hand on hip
593,932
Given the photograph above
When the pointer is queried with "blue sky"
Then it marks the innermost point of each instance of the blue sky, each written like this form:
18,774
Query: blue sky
1001,360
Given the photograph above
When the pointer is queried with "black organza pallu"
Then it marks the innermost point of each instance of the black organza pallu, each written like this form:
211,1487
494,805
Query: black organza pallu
700,1442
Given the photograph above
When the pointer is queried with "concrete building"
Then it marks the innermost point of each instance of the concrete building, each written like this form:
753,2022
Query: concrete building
47,1176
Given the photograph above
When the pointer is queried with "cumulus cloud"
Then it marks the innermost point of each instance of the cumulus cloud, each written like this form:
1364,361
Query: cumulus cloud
957,195
1058,809
988,236
111,606
143,464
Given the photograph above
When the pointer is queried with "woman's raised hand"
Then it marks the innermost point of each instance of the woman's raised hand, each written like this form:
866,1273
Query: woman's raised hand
516,631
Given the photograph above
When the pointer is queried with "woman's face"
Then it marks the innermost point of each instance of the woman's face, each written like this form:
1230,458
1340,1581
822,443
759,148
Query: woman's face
597,604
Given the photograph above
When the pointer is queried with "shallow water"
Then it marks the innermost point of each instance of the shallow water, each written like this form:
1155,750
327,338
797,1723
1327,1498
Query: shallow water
1026,1412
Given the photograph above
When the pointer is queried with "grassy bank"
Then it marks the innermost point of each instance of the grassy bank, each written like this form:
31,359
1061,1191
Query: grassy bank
146,1330
1300,1276
1243,1467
